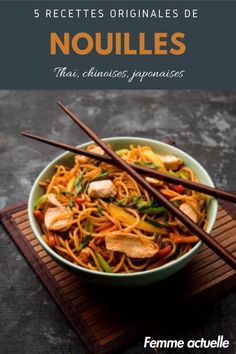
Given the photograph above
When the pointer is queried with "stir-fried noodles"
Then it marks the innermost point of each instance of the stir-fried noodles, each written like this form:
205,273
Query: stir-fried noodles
96,216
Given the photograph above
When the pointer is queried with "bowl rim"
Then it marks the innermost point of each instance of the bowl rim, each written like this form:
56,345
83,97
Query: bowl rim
111,140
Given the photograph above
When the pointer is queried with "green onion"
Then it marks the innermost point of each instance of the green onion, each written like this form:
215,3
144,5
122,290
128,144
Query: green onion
155,223
89,226
86,239
104,173
41,201
142,204
84,242
153,210
71,204
121,202
86,188
103,264
78,186
134,200
146,164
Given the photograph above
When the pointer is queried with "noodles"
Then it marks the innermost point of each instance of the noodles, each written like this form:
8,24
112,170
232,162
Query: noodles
96,216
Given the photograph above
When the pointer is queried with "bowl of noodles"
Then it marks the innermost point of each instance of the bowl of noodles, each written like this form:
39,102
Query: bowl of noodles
95,220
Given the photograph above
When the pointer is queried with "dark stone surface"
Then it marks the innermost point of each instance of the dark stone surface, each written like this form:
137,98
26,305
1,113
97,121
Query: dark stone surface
204,125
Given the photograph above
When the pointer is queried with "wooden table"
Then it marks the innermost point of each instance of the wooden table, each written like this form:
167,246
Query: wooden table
203,123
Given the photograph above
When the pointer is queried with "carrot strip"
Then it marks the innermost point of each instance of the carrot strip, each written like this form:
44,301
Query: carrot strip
164,251
184,239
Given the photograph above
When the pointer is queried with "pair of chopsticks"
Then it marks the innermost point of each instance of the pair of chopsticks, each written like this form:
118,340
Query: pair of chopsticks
136,172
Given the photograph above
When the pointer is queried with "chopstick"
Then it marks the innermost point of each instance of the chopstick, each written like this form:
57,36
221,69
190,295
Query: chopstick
204,236
217,193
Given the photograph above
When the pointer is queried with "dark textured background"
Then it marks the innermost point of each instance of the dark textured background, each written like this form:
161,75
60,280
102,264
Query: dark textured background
204,125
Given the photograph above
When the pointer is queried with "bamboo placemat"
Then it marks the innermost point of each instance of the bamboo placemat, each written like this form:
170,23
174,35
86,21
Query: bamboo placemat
107,319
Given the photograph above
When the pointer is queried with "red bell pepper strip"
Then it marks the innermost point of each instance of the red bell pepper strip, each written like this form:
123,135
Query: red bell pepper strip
80,200
51,239
165,251
38,216
179,188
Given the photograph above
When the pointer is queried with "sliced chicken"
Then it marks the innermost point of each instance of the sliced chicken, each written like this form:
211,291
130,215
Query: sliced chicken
133,246
92,148
155,182
188,210
96,149
171,161
79,159
102,189
57,218
53,200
